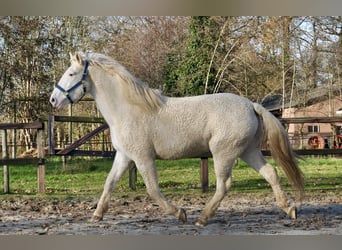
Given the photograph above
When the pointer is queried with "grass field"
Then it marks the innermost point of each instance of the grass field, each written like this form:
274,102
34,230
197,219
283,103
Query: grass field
84,177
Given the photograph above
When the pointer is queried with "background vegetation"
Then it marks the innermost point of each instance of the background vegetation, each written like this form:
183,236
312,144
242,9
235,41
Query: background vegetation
256,57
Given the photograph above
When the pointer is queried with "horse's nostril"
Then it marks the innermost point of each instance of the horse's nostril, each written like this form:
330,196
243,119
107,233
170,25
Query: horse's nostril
52,100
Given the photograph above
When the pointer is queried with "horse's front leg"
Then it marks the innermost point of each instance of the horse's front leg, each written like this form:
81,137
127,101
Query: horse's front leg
120,165
148,172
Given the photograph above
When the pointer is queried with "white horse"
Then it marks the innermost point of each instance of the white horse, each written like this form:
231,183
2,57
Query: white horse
146,125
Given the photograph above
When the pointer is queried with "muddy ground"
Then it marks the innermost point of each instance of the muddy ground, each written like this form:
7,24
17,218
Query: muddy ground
239,214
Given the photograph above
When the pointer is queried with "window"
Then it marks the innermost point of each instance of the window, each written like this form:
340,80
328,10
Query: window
313,128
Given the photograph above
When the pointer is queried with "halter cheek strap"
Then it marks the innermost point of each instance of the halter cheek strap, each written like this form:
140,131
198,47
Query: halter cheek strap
78,84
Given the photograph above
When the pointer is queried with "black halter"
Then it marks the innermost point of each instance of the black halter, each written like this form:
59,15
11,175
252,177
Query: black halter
67,92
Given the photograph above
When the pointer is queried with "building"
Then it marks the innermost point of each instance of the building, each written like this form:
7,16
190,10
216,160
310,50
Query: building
319,104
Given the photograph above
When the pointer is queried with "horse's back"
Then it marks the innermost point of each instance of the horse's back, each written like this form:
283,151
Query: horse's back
224,109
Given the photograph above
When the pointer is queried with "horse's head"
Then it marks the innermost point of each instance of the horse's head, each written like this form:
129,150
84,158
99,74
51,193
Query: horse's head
73,85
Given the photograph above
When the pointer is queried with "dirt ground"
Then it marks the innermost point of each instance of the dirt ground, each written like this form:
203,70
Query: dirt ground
239,214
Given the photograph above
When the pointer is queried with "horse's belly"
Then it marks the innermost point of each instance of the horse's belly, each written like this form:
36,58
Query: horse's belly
170,150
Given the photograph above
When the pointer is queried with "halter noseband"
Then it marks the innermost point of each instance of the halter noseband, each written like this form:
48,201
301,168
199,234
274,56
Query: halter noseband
79,83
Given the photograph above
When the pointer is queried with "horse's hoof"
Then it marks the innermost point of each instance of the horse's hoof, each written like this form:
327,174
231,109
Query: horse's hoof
182,215
200,223
292,212
96,218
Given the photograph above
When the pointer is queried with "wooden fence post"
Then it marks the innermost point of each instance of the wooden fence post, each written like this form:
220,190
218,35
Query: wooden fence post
204,174
51,135
132,176
41,162
5,157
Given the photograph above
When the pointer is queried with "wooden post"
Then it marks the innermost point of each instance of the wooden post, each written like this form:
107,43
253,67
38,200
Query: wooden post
301,135
132,176
204,174
70,124
5,157
65,163
14,132
51,135
41,163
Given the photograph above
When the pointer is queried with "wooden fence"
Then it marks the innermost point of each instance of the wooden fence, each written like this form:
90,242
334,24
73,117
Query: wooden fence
39,160
73,150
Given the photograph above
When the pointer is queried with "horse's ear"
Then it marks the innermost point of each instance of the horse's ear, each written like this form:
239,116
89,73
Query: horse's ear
79,58
76,58
72,57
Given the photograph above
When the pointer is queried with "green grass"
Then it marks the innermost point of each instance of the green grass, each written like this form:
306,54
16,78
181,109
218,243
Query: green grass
323,173
85,177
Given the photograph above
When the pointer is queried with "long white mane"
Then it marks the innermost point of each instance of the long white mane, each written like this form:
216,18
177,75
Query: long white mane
136,91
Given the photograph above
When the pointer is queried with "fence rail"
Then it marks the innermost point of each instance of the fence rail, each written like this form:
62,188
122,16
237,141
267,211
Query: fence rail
33,125
73,150
297,120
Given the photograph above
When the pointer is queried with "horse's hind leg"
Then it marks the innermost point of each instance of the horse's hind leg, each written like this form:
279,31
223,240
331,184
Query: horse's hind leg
229,181
149,174
257,161
223,183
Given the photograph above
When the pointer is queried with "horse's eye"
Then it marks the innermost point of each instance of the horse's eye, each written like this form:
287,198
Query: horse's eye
71,74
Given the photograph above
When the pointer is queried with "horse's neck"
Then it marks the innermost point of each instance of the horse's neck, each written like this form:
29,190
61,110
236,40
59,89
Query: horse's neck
109,101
